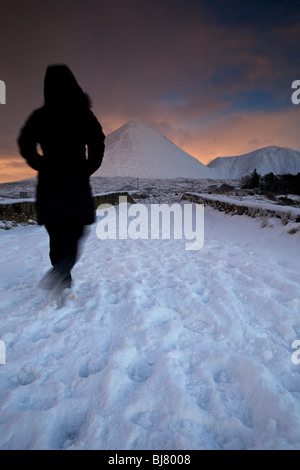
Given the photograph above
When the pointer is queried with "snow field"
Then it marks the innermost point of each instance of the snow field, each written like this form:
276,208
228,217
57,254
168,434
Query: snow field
157,347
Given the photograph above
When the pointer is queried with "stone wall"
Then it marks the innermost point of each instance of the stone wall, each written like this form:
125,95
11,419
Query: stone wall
25,211
236,208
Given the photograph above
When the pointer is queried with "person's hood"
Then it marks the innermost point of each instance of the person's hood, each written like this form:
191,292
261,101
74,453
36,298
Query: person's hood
61,88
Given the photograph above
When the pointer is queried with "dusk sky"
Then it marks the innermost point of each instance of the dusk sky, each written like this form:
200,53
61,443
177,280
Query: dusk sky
213,76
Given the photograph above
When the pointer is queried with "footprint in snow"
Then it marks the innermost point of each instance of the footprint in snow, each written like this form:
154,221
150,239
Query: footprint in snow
140,371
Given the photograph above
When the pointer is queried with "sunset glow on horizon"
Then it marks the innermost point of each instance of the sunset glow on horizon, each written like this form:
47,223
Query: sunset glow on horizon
205,146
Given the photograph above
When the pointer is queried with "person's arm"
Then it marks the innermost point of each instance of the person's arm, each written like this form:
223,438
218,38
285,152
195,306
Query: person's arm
95,144
27,142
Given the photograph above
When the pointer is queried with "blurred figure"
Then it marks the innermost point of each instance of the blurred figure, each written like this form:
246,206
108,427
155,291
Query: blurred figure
72,144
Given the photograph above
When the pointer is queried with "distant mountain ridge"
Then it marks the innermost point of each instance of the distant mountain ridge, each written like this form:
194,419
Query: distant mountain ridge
271,159
137,150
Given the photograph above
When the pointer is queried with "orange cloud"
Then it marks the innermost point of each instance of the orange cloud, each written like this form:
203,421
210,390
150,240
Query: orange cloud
240,133
13,167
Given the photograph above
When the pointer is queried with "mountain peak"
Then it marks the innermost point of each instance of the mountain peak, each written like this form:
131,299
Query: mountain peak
137,150
270,159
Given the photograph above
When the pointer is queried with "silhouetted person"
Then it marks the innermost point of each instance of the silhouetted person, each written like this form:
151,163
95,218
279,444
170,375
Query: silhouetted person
72,144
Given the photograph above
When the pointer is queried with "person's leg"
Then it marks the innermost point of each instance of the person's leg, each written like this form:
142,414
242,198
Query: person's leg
63,242
56,235
69,248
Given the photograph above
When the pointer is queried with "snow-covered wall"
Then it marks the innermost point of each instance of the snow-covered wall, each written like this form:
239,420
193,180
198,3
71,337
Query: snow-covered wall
286,214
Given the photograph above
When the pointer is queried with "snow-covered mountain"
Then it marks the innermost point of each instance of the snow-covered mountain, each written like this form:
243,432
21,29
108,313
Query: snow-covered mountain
273,159
136,150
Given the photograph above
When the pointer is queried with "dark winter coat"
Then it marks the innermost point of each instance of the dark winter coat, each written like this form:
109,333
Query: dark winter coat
72,144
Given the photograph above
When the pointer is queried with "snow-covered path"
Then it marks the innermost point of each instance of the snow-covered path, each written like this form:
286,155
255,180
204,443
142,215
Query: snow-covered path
157,347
